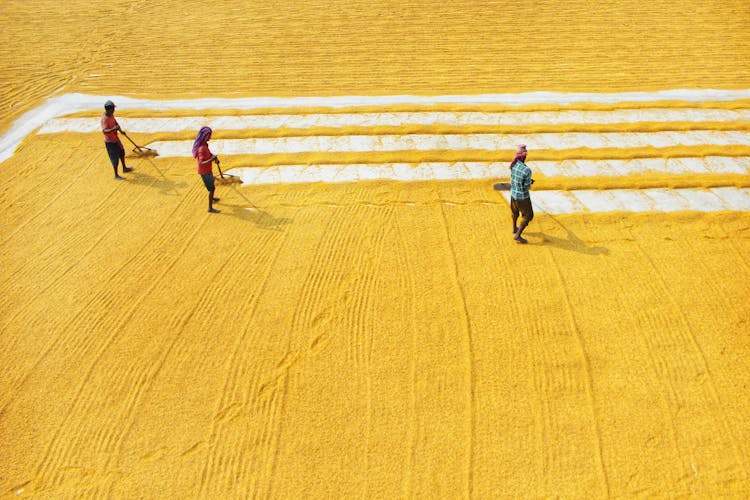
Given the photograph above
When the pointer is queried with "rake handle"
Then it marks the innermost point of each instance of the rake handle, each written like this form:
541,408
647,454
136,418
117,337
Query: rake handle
219,167
231,178
131,141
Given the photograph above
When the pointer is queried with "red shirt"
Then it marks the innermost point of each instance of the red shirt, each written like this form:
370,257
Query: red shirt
204,154
107,123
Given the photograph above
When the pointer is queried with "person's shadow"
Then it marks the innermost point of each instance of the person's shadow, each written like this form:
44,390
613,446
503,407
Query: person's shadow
251,213
161,182
572,243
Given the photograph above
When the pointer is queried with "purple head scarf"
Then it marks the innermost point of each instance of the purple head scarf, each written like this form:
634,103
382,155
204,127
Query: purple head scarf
203,134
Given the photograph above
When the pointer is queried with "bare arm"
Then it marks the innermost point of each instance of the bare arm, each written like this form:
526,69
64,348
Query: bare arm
110,130
212,159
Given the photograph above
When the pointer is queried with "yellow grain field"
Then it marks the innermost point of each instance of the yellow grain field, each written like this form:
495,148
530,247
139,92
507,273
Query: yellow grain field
371,338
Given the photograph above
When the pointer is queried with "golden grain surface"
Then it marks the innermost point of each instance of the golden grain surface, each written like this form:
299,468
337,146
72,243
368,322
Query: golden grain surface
374,339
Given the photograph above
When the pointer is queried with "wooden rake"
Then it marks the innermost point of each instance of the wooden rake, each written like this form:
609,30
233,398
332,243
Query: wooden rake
225,179
140,150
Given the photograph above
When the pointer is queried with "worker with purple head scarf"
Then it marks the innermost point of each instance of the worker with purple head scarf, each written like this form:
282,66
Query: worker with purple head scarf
205,160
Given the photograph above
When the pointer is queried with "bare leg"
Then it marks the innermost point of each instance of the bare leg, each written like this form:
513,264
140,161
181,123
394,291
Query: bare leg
211,202
518,237
125,168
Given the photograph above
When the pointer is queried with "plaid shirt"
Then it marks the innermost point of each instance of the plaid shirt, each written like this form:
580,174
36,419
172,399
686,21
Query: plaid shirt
520,181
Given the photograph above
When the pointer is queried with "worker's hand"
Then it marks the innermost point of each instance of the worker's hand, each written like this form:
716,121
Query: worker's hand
532,181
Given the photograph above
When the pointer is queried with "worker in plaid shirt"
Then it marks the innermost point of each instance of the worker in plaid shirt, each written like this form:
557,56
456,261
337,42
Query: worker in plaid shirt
520,199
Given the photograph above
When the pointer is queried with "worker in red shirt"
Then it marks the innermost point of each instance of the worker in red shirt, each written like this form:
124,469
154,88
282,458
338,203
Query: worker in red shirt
205,160
115,149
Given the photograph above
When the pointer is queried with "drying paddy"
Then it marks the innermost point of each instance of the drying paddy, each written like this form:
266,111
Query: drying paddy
357,321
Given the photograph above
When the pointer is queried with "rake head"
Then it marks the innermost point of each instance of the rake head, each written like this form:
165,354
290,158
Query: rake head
228,179
143,151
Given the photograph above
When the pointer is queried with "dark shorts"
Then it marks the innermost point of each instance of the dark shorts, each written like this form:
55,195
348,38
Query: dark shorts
208,180
523,207
115,152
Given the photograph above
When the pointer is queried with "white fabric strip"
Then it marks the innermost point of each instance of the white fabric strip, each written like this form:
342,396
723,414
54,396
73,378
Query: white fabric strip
428,142
613,168
291,174
644,200
72,103
333,120
295,174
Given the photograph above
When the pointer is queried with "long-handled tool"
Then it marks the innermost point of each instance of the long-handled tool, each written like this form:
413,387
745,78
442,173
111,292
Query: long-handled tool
140,150
226,178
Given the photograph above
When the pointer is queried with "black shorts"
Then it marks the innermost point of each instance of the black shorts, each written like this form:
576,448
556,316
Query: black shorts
523,207
115,152
209,181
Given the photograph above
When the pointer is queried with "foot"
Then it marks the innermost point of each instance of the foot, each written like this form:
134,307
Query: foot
515,229
520,239
215,199
213,211
127,169
119,177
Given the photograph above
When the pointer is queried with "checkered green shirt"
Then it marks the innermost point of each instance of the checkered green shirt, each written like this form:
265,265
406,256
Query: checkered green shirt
520,181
